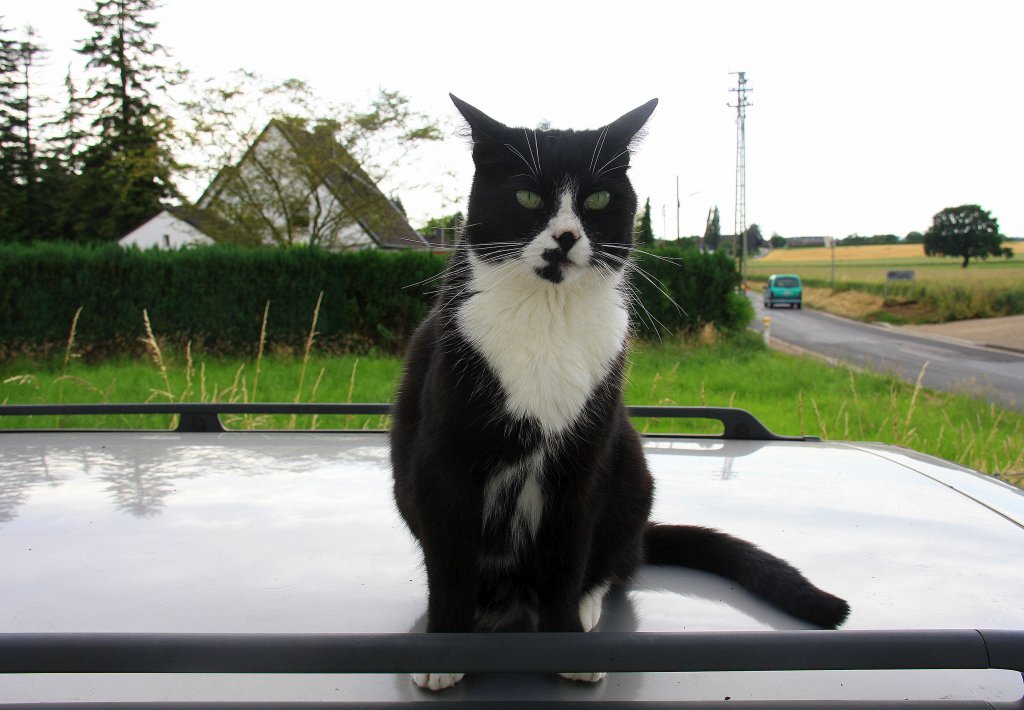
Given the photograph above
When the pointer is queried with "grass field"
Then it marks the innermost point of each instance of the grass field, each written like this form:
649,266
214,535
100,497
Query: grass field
941,290
790,395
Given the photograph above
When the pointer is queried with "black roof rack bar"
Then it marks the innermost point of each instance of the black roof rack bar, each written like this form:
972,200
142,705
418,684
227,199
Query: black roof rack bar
573,703
204,416
511,652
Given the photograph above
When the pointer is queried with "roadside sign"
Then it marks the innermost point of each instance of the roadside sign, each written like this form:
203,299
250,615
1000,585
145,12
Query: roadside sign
896,276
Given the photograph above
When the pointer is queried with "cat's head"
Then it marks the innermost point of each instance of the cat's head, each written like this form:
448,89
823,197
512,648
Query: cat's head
557,201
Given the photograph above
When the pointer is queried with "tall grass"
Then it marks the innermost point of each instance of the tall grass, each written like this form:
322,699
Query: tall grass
800,396
173,375
791,395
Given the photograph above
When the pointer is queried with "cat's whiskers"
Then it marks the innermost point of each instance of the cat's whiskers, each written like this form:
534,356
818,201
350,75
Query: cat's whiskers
631,265
445,271
640,310
535,155
598,145
508,267
605,168
625,247
635,300
632,298
515,150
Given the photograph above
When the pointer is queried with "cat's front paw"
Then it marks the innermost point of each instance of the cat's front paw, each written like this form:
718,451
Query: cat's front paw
584,677
436,681
590,607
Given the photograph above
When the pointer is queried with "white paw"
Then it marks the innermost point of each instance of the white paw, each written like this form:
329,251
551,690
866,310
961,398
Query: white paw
590,607
584,677
436,681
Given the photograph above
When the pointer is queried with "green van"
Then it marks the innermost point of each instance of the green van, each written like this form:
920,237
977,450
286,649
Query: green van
783,288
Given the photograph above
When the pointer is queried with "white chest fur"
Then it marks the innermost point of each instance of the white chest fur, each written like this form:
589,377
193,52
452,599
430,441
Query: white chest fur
549,344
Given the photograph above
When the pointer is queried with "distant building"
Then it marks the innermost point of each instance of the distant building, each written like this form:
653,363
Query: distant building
806,241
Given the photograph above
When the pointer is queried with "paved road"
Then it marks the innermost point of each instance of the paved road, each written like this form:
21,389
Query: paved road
952,367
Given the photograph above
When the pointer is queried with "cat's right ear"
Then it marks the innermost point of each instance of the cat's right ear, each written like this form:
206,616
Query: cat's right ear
624,129
482,125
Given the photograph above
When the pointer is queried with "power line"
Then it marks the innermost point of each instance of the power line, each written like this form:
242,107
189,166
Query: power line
740,212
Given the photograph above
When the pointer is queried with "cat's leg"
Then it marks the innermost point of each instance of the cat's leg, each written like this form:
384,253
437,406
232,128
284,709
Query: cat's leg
590,614
447,610
563,605
450,554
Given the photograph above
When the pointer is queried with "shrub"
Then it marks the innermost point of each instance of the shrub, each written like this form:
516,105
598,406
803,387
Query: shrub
682,290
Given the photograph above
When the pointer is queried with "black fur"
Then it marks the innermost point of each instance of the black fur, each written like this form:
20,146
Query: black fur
452,433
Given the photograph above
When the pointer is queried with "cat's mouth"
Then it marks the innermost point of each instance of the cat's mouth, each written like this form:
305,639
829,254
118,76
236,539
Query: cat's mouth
557,266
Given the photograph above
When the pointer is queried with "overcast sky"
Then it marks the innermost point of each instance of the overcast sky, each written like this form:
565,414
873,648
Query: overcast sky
867,116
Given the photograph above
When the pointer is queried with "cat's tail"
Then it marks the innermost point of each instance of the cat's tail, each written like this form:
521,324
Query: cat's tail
767,576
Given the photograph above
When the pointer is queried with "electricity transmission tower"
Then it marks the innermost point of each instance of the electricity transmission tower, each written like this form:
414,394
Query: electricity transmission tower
740,215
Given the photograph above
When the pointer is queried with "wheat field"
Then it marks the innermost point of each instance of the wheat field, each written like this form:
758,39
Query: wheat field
869,264
852,253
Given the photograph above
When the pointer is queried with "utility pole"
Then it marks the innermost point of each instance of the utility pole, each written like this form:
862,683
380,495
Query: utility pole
740,214
678,204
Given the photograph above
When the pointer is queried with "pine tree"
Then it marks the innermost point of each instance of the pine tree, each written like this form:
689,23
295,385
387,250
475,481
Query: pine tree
61,180
19,184
713,230
127,172
644,230
8,135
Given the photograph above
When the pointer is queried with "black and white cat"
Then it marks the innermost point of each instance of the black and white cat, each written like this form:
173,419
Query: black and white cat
515,465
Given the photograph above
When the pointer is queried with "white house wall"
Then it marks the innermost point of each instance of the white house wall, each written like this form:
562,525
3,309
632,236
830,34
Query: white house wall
164,231
351,235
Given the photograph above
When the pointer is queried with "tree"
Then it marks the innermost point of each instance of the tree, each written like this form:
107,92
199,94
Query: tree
777,241
914,237
442,230
855,239
128,170
966,231
644,231
754,238
712,231
224,119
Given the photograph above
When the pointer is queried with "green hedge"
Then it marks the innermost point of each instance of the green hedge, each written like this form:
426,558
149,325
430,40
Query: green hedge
215,297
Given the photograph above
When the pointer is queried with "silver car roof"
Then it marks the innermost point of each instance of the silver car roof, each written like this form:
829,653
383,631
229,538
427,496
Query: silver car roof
296,533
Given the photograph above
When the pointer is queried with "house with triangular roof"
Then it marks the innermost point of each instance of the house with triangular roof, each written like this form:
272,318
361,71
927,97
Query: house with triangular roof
291,187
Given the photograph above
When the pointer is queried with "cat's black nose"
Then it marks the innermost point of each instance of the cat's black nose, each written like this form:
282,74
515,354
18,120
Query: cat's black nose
566,240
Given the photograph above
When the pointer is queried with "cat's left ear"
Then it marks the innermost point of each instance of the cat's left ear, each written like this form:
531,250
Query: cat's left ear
624,129
482,125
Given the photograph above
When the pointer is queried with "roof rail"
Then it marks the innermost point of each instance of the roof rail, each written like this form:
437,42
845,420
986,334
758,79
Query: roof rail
615,651
193,417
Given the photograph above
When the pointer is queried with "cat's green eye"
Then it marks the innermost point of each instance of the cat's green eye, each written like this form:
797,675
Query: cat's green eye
529,200
598,201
